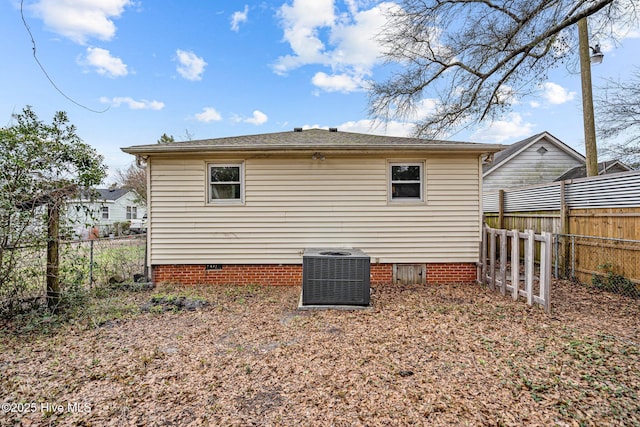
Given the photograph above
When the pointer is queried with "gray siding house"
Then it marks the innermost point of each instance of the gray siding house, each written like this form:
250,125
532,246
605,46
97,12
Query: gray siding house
538,159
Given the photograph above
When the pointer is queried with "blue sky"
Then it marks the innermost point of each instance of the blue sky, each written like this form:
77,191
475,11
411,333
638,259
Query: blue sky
206,69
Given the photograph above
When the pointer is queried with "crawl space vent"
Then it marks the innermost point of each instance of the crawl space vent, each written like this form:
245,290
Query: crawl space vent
335,277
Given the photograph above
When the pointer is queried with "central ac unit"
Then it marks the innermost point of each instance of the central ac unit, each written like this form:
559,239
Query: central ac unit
335,277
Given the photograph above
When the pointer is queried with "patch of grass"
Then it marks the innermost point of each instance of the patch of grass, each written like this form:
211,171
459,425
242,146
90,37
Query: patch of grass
163,302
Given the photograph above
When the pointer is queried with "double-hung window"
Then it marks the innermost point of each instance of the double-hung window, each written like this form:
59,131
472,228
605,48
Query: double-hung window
132,212
226,182
406,182
105,212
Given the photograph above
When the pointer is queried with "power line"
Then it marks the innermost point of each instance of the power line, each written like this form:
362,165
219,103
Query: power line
33,42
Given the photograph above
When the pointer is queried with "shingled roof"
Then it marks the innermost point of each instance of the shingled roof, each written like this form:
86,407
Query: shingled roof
517,147
310,139
604,168
105,194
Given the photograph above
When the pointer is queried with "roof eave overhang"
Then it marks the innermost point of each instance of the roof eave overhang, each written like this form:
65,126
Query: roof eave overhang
441,148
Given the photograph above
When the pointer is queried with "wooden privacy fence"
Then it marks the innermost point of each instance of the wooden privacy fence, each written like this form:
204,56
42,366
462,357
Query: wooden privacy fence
603,210
504,269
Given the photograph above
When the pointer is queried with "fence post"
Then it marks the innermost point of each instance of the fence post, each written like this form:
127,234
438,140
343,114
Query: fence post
492,258
545,270
500,208
515,263
556,245
91,263
484,255
565,226
146,264
503,261
529,264
53,255
573,258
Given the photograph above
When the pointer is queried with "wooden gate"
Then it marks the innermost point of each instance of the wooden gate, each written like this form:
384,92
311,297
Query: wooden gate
505,270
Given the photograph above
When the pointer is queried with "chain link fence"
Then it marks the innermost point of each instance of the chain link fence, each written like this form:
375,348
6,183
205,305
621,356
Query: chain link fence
83,264
608,264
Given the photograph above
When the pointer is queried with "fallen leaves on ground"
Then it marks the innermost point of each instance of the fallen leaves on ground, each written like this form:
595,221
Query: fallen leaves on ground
434,355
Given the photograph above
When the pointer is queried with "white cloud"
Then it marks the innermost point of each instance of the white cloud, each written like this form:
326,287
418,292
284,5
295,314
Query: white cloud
392,128
209,114
143,104
345,43
506,95
80,20
190,65
257,119
501,130
424,108
556,94
355,39
238,18
302,21
336,83
104,63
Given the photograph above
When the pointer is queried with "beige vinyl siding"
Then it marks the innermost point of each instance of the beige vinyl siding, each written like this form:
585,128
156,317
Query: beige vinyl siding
295,203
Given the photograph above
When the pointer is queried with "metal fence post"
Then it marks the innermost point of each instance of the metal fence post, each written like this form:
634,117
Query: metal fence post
146,265
556,249
573,258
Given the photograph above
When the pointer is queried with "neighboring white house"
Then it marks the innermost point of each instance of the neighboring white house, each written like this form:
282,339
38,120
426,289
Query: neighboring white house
538,159
109,207
243,209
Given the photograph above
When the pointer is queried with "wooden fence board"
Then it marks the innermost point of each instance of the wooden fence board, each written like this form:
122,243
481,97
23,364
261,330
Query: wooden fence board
494,272
588,258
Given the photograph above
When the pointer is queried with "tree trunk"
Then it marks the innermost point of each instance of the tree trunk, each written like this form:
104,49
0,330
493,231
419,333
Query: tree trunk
53,259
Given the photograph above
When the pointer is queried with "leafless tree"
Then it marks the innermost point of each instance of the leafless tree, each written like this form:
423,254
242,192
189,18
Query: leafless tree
618,112
474,58
135,178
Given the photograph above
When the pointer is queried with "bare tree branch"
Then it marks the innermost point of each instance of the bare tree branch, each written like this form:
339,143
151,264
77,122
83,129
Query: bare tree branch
618,111
466,53
135,178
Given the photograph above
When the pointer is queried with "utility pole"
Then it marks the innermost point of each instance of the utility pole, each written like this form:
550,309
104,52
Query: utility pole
591,149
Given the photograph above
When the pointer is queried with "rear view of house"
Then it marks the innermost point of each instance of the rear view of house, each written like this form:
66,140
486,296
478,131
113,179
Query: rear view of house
244,209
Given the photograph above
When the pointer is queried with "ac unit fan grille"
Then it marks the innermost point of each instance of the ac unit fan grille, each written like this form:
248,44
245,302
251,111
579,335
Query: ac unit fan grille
335,279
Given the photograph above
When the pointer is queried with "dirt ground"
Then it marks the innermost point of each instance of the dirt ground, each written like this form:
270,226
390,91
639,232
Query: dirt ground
435,355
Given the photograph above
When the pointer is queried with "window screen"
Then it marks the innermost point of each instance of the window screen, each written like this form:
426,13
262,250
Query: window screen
406,181
225,183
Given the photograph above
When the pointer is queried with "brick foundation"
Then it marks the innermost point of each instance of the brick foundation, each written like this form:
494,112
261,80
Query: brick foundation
291,274
438,274
232,274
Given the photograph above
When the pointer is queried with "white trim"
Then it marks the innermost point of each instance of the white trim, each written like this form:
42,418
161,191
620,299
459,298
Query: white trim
129,212
390,198
238,201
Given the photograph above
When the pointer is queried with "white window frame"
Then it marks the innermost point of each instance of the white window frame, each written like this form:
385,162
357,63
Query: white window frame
132,212
102,212
390,182
212,201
